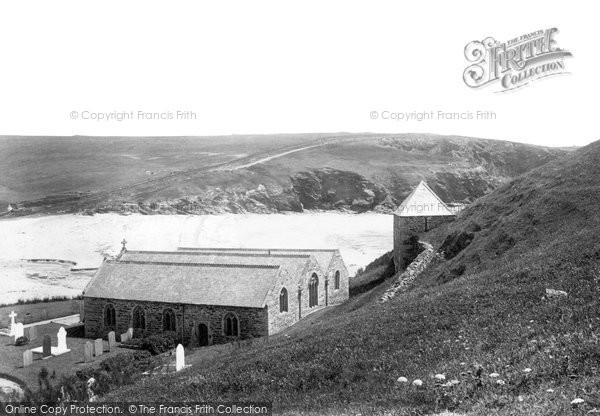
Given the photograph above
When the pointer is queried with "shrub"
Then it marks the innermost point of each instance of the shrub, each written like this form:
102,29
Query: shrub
113,372
159,343
21,341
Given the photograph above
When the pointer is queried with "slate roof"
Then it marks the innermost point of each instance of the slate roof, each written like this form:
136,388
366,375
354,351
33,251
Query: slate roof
422,202
243,285
323,256
294,263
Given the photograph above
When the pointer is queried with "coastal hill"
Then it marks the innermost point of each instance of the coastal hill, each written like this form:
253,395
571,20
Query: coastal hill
263,174
508,312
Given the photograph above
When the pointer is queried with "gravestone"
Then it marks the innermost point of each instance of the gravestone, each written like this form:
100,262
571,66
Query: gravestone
27,358
62,341
88,352
11,328
18,330
112,342
32,333
98,347
130,333
47,346
179,358
125,337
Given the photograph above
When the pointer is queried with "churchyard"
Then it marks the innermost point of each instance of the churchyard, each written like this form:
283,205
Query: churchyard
12,357
49,347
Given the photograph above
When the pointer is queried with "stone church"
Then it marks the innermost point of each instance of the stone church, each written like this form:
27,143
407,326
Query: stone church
212,295
420,211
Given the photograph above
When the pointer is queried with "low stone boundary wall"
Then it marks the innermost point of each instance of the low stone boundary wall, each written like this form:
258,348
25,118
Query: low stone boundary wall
412,271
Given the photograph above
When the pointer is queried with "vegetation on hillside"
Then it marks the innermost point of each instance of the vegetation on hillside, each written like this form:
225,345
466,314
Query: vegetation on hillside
502,346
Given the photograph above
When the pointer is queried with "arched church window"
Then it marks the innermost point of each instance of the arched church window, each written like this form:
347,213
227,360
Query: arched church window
110,317
231,325
283,300
169,322
139,318
313,291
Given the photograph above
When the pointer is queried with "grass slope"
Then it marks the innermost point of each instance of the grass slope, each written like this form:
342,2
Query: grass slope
538,231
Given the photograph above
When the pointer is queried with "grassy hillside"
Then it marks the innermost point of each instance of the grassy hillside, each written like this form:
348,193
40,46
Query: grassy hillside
270,173
481,312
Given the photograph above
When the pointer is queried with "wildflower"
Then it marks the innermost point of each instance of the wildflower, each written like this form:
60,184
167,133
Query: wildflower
454,382
577,401
440,377
417,383
448,384
550,391
500,382
402,380
527,370
494,375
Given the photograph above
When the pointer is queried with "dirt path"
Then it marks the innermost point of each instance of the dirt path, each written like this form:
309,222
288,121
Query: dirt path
266,159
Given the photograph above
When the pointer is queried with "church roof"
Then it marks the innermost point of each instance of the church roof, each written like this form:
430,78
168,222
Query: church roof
323,256
422,202
243,285
294,263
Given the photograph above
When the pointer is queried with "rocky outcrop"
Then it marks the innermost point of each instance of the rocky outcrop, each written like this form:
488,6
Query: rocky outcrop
455,243
319,189
337,189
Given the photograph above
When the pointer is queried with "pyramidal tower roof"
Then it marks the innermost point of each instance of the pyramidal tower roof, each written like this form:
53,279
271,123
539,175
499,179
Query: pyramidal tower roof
422,202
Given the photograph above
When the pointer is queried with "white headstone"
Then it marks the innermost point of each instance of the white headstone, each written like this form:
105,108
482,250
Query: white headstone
179,358
27,358
98,347
112,343
62,340
12,317
18,330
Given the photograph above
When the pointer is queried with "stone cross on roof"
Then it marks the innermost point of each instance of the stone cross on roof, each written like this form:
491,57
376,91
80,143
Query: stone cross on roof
123,243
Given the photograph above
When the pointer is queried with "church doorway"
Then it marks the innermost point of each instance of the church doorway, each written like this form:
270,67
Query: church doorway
202,335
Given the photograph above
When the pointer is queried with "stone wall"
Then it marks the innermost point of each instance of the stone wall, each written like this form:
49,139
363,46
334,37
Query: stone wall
337,296
404,280
298,307
253,322
407,227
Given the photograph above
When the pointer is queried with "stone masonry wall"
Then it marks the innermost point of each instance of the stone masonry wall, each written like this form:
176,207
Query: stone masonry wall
281,320
407,227
253,322
337,296
300,309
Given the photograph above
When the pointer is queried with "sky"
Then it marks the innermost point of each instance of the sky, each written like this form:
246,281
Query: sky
259,67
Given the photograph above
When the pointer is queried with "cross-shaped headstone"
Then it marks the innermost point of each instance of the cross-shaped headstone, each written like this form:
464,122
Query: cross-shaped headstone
123,243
